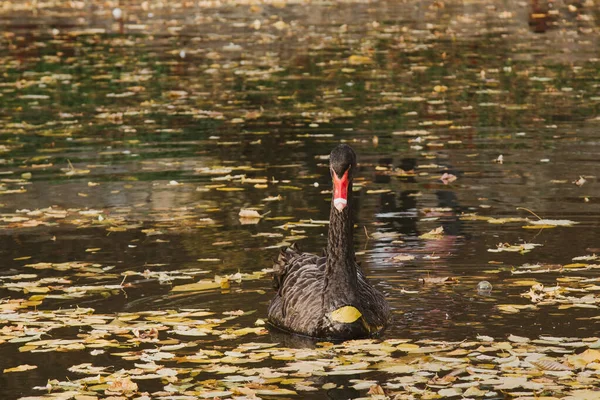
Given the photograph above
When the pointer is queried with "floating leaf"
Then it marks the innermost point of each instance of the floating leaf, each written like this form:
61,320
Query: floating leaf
197,286
447,178
434,234
553,222
438,280
20,368
249,214
515,248
346,314
403,257
359,60
550,365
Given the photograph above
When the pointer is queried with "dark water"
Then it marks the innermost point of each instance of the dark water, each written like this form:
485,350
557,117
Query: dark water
154,114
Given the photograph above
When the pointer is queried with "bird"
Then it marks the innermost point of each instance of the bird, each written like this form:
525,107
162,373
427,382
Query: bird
328,296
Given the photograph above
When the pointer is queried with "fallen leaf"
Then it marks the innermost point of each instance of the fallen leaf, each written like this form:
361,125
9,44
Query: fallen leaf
346,314
20,368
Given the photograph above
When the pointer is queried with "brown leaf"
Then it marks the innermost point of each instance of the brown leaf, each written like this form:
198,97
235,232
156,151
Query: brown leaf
376,390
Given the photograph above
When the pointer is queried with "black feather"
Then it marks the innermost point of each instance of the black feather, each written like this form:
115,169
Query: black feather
309,287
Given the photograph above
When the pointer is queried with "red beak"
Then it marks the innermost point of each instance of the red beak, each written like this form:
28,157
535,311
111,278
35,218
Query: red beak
340,191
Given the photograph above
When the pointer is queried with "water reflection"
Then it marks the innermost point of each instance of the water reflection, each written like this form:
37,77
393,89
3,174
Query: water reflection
175,118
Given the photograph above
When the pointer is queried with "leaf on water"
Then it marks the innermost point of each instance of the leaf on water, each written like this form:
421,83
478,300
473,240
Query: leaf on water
585,358
376,390
518,339
34,96
524,283
405,291
575,265
359,60
197,286
347,372
396,368
12,191
71,171
288,187
474,391
275,392
273,198
447,178
513,382
583,394
515,248
176,94
408,347
403,257
20,368
249,217
514,308
505,220
378,191
450,392
538,226
438,280
249,214
550,365
580,182
346,314
554,222
254,180
384,235
434,234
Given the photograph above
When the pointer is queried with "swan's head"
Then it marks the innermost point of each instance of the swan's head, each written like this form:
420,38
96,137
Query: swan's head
342,164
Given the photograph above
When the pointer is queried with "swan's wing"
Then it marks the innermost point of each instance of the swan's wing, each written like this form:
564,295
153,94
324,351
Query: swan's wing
285,260
298,304
376,308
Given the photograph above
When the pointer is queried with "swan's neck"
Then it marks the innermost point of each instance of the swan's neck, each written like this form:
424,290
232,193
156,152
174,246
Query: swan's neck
341,264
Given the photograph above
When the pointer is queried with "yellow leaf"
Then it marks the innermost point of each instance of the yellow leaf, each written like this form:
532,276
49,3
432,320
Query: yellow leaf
346,315
408,347
20,368
359,60
524,283
378,191
585,358
26,348
254,180
436,233
245,331
575,265
399,369
198,286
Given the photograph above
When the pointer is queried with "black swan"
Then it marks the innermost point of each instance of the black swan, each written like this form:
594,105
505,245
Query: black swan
329,296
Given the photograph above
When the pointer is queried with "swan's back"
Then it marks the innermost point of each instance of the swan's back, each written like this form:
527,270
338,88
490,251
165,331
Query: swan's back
300,305
298,279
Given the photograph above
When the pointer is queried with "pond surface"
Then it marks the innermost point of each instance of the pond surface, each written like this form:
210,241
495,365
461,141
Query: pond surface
128,149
